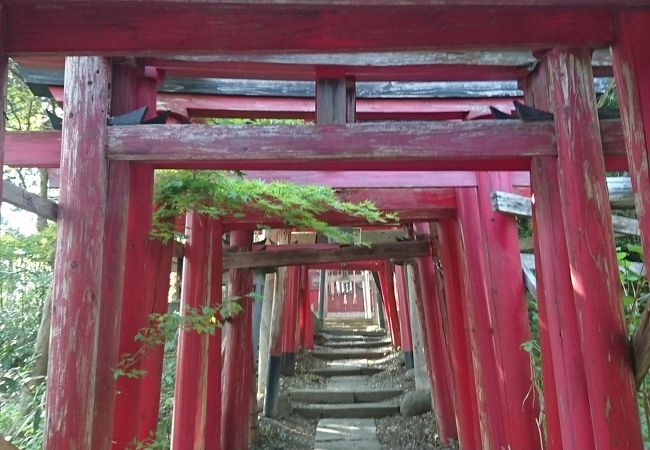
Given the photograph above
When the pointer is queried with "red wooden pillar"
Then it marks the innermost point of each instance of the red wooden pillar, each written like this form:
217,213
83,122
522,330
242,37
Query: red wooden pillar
79,256
136,405
631,57
238,351
214,389
290,319
594,270
390,305
307,325
436,347
497,319
467,419
123,83
404,322
565,386
190,389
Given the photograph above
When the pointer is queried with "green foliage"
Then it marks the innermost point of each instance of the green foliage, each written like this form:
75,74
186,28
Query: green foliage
25,276
217,194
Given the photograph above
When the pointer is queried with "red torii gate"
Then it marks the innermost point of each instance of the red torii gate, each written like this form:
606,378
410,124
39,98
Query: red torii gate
567,170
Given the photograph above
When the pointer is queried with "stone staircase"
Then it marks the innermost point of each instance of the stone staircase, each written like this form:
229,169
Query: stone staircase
352,353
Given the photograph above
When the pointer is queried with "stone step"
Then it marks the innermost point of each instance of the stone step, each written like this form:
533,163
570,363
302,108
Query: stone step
358,344
353,331
353,338
347,410
346,434
333,355
328,396
346,371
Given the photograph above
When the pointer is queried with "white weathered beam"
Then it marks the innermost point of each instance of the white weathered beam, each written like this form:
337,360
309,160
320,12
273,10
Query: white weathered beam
519,205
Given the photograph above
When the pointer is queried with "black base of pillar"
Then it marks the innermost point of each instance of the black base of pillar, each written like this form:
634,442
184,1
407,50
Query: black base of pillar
288,364
272,385
408,360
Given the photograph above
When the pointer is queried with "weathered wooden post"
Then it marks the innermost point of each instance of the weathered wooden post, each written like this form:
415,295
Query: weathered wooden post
469,430
265,337
238,359
418,329
390,305
275,344
290,319
589,237
190,389
322,294
123,98
79,255
404,316
566,403
136,406
437,354
498,318
630,59
307,328
213,428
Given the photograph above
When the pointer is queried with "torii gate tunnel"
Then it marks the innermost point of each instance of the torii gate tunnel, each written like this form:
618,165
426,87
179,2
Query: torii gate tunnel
434,160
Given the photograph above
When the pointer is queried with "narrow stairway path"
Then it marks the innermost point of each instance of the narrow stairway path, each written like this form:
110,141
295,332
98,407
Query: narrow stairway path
348,405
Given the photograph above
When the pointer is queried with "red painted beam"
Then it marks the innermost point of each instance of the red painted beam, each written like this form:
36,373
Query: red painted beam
356,265
385,146
481,145
115,28
238,357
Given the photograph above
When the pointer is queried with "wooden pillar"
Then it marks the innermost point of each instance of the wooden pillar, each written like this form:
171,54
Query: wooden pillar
308,327
275,344
497,318
469,436
630,57
442,390
404,322
190,389
290,319
136,406
238,357
214,388
322,293
79,255
563,367
123,82
416,316
265,337
390,305
594,270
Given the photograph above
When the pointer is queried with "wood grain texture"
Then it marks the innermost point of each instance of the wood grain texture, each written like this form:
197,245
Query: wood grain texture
403,304
561,348
387,287
376,146
238,357
594,272
115,28
79,255
631,71
286,256
469,432
115,236
441,384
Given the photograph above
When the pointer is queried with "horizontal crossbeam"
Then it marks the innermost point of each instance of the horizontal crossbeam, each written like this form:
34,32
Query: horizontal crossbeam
24,199
297,257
